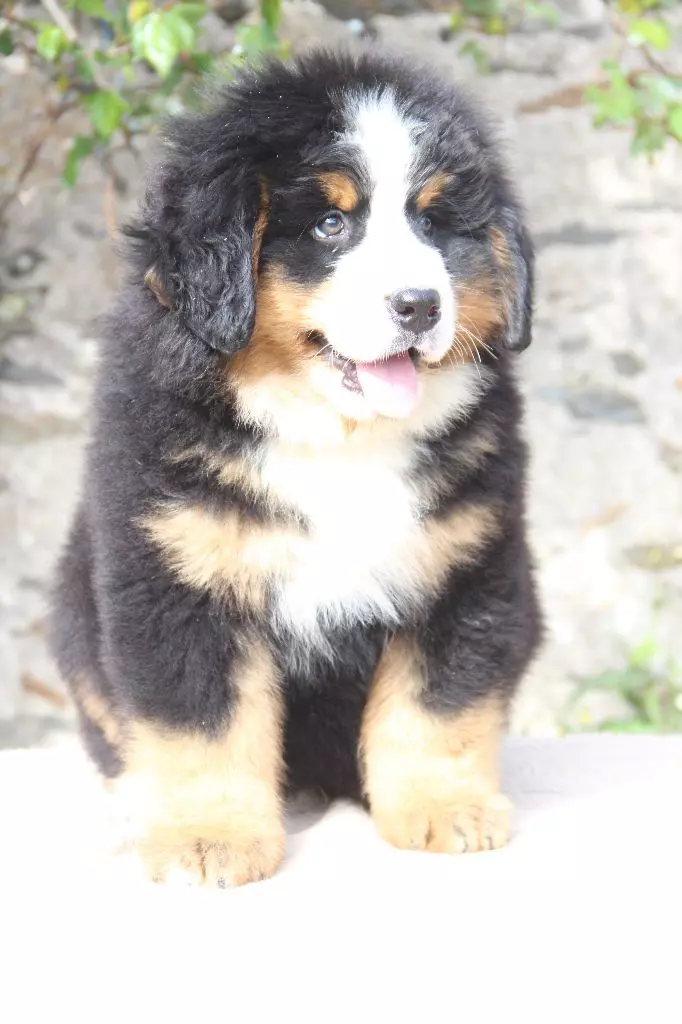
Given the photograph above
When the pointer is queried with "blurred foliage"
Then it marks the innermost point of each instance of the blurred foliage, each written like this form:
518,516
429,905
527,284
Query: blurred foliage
636,90
648,684
126,63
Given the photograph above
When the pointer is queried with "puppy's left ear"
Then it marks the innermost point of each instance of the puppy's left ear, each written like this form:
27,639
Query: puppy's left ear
515,257
203,242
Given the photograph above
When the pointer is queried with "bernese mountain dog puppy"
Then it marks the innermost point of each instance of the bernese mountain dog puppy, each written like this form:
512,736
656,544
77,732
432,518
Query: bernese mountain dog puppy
299,561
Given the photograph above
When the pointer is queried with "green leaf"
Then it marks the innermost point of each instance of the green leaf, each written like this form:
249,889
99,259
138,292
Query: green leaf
6,43
480,58
614,103
50,42
106,109
81,147
643,652
623,681
95,8
84,69
541,12
155,41
255,39
118,60
271,11
203,62
191,13
485,8
160,38
495,25
185,31
675,122
650,32
627,725
649,137
668,89
651,705
137,9
636,6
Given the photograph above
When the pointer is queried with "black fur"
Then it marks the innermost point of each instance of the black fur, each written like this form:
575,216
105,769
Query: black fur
157,649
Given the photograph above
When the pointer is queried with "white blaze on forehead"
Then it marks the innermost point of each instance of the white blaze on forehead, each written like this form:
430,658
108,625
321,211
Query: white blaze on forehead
352,310
387,138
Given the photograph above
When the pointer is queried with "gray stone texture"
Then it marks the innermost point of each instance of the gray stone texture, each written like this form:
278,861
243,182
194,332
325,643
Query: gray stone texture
603,379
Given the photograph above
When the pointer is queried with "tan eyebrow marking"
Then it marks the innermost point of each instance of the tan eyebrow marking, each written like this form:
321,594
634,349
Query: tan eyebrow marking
433,188
339,190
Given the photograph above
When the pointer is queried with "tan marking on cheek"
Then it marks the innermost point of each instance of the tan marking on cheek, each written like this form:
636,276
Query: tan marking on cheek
431,778
478,312
209,809
278,345
339,190
433,189
227,555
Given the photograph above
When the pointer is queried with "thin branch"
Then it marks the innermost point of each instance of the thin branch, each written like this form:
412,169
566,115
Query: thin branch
60,19
63,22
12,18
32,154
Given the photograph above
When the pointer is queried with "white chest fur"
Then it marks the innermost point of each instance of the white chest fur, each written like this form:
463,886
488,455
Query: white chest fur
361,509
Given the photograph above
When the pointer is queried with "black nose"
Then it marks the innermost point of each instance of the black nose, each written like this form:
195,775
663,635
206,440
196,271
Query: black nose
415,309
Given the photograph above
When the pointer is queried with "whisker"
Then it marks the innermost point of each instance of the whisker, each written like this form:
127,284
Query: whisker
477,339
470,339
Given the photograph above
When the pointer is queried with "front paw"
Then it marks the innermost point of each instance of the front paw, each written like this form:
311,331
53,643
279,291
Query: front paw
466,824
212,857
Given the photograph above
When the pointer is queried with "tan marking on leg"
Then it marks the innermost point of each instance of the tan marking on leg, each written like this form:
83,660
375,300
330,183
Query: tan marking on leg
228,555
433,188
339,190
99,711
209,810
432,779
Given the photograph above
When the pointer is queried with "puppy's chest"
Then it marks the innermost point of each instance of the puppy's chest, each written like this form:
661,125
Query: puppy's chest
363,513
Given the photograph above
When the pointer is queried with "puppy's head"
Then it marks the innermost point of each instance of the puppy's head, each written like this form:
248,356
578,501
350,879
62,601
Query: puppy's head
340,229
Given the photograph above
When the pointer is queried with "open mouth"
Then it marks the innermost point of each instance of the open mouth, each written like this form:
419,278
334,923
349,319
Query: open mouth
390,386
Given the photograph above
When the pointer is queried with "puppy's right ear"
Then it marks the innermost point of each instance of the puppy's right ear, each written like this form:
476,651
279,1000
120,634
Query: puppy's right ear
202,235
514,255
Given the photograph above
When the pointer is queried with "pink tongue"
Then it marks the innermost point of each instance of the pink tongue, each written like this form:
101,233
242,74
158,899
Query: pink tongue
390,387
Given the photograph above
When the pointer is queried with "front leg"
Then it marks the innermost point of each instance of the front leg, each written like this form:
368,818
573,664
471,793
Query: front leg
207,807
431,776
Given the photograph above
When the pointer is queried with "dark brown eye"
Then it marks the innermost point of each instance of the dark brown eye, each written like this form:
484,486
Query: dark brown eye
330,225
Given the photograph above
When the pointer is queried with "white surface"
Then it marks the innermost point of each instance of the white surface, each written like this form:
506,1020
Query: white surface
578,919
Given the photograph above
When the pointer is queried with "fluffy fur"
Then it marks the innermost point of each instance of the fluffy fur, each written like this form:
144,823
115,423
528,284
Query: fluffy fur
269,583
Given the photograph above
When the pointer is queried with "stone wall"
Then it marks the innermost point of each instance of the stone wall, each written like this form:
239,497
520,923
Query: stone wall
603,379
